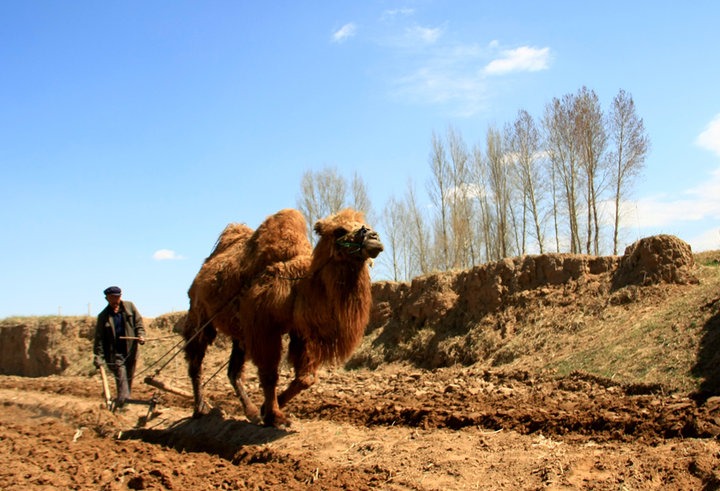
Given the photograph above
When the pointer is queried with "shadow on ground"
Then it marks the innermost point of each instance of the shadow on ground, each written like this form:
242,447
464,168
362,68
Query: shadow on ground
707,366
213,434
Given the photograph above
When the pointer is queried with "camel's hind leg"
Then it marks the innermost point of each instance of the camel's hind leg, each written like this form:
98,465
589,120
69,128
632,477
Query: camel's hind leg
194,353
305,366
235,374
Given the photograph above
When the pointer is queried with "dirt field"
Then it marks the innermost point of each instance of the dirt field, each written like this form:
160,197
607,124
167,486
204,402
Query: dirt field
394,428
484,379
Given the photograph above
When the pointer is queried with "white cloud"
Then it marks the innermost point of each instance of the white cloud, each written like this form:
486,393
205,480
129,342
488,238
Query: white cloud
425,35
659,212
694,204
344,33
165,255
391,14
522,59
710,138
436,85
706,241
447,75
457,75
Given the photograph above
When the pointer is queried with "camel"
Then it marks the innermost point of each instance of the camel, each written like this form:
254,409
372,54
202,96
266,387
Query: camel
258,286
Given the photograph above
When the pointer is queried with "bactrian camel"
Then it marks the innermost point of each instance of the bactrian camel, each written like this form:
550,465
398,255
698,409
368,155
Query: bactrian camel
258,286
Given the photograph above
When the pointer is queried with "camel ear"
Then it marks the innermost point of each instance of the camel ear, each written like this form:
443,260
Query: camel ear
319,227
343,218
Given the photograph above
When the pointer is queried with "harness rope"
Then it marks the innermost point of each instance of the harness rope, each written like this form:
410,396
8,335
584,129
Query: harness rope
218,371
357,247
187,342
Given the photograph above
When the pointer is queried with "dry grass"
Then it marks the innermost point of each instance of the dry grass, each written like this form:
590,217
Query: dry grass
656,339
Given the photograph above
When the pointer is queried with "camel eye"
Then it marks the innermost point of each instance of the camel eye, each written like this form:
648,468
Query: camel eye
339,232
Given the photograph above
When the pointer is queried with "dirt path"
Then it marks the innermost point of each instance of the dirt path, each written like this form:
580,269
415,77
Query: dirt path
395,428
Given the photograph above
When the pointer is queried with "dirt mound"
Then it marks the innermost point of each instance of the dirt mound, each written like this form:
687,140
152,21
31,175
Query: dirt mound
166,323
661,258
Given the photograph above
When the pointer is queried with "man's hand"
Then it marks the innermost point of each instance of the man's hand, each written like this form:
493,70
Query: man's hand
141,340
97,361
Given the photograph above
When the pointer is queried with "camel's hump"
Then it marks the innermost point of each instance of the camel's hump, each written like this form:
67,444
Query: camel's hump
280,237
233,236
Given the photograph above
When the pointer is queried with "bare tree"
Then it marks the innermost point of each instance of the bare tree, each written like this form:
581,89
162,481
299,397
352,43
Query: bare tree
561,143
360,198
499,185
523,140
552,169
460,202
631,146
308,202
395,225
592,142
480,185
439,189
488,203
417,231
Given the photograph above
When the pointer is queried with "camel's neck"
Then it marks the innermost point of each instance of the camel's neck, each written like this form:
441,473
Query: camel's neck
341,279
335,308
335,302
342,286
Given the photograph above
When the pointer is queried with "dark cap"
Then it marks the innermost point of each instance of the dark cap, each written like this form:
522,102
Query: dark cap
112,290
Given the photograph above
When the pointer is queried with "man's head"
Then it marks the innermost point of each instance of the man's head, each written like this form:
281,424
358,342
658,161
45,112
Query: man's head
112,295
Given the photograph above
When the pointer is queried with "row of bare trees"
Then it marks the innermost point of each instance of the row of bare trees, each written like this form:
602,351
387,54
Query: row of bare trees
535,185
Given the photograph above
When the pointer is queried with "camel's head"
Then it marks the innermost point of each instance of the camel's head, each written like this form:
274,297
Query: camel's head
350,236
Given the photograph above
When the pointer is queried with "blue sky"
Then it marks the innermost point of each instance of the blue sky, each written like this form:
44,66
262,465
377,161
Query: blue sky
132,132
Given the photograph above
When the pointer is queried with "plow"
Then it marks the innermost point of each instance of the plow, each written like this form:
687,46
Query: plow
111,404
152,381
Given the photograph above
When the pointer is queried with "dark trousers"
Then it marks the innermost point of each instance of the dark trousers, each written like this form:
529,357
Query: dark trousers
124,370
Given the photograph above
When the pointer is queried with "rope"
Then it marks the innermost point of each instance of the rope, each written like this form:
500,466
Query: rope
187,342
356,247
218,371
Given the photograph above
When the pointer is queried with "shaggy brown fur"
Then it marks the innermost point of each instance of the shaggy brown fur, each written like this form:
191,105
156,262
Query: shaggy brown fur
257,286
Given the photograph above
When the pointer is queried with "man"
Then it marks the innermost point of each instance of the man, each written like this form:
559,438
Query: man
120,319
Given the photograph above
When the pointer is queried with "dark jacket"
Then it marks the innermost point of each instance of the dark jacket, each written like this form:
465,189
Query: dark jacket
105,331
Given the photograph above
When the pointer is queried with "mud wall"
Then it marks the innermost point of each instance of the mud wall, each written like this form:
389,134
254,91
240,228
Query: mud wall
470,294
43,346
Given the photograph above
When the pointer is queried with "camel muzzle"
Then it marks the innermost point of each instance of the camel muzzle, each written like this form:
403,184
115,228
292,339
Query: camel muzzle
372,247
363,243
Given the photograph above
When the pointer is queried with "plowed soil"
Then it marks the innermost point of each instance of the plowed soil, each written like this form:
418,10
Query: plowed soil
394,428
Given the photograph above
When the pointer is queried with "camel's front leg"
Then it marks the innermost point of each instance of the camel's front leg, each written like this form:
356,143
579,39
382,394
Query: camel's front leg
305,366
235,374
194,353
268,362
